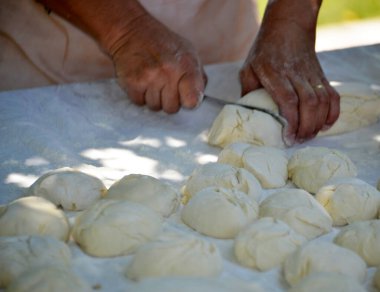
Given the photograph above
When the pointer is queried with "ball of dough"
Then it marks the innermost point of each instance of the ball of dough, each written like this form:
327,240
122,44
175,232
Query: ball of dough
362,238
266,243
299,210
333,282
322,256
33,216
311,167
49,278
233,153
21,253
219,212
113,228
176,254
348,200
147,191
69,189
224,176
376,278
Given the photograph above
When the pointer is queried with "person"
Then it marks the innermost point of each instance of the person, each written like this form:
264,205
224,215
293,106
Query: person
160,68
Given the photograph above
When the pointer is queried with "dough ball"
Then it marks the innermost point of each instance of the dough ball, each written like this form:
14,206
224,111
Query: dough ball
224,176
266,243
311,167
348,200
147,191
362,238
238,124
376,278
47,279
176,254
328,282
219,212
233,153
299,210
33,216
322,256
22,253
69,189
114,228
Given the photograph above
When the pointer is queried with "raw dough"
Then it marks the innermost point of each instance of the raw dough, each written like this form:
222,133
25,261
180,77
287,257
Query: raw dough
266,243
69,189
219,212
113,228
47,279
328,282
233,154
322,256
376,278
311,167
176,254
348,200
362,238
299,210
33,216
147,191
222,175
21,253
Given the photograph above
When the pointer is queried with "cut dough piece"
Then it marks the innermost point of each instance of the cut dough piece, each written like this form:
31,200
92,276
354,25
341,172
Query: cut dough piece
69,189
328,282
176,254
49,278
376,278
266,243
311,167
222,175
233,153
219,212
299,210
362,238
22,253
33,216
322,256
148,191
113,228
348,200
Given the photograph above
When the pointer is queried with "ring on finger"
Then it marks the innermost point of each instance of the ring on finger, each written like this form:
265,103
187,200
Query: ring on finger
318,86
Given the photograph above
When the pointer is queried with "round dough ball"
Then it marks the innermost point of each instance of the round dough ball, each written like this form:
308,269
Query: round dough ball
299,210
376,278
362,238
268,164
33,216
224,176
176,254
147,191
48,278
22,253
332,282
219,212
233,153
311,167
266,243
348,200
68,189
322,256
113,228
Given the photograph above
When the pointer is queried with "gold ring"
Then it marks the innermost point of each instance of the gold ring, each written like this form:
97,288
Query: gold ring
318,86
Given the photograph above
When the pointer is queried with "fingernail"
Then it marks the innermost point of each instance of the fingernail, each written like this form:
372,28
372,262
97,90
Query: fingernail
289,140
326,127
200,99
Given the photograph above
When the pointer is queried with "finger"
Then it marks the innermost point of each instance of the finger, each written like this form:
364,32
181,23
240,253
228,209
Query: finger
190,88
323,106
334,108
248,80
170,98
137,96
153,98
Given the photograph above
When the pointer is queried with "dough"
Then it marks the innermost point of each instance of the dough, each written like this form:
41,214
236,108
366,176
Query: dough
311,167
322,256
299,210
222,175
49,278
147,191
348,200
268,164
362,238
114,228
376,278
69,189
21,253
233,153
219,212
176,254
33,216
266,243
328,282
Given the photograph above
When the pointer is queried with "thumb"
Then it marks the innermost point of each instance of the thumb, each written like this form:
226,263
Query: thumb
191,87
248,80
